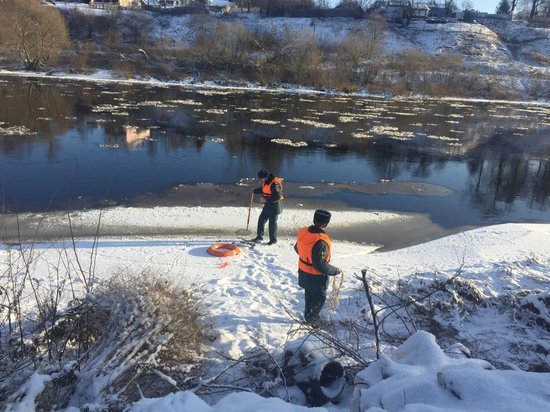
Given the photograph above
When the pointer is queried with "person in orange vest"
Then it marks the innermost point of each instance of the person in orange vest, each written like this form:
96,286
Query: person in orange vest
313,247
272,196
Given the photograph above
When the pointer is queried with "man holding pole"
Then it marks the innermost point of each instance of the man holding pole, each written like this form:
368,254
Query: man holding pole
272,196
314,250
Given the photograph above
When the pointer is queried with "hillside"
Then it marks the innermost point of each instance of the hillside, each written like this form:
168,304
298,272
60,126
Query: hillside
491,60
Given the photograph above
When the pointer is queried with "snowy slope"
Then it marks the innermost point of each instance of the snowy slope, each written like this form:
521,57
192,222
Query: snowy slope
506,52
524,41
489,39
476,41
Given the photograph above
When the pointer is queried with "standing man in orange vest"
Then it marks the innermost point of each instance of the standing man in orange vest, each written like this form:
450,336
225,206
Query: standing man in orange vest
314,248
272,196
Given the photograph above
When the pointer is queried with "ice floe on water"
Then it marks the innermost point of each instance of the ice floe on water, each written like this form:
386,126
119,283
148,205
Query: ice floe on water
347,119
288,142
153,103
186,102
16,131
403,113
361,135
265,121
443,138
312,123
216,111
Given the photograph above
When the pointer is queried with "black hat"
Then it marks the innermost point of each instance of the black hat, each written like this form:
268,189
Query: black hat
321,217
262,174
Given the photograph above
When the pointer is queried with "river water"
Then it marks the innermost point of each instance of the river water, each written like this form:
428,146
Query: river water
68,144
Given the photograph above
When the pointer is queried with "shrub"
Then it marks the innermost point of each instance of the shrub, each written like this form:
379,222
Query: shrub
134,337
81,58
303,61
348,56
89,27
35,33
224,46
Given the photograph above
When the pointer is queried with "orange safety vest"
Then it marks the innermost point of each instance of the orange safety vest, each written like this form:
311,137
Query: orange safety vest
266,188
305,242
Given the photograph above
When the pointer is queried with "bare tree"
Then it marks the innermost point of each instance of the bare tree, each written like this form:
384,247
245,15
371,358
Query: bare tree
536,7
248,4
450,7
376,26
503,7
359,55
364,4
225,46
32,32
270,7
467,5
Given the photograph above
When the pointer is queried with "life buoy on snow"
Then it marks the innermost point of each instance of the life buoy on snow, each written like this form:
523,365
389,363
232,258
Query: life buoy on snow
224,249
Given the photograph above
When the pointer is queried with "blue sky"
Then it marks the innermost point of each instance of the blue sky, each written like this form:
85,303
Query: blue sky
489,6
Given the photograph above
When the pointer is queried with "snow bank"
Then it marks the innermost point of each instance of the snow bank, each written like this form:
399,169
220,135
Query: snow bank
191,219
418,376
29,391
236,402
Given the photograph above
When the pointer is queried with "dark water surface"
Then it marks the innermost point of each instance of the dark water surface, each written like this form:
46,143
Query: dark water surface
104,144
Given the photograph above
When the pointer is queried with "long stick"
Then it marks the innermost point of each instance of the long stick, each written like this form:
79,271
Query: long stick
249,209
334,297
372,311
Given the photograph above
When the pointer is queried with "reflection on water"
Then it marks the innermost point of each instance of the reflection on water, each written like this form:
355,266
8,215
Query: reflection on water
64,140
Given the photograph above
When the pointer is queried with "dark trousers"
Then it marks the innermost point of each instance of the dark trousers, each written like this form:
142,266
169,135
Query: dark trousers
264,217
315,289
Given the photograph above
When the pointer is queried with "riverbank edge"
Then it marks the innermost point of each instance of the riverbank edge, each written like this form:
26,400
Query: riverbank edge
97,78
383,230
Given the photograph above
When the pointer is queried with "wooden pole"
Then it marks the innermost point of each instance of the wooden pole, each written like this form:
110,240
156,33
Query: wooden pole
249,210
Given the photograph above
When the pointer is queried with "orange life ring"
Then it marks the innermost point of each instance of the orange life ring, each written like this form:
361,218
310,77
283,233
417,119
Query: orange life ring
224,249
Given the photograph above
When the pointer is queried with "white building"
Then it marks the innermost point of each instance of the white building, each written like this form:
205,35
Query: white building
115,4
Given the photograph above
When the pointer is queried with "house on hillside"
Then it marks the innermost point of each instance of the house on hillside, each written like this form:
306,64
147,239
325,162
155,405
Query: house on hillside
115,4
167,4
347,10
401,11
221,6
397,11
437,10
419,10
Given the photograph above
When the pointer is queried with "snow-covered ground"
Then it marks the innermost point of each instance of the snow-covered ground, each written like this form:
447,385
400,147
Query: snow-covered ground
492,301
255,295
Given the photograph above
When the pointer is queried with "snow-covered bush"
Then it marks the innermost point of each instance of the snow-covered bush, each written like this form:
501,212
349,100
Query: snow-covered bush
418,376
449,306
128,339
